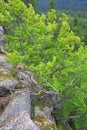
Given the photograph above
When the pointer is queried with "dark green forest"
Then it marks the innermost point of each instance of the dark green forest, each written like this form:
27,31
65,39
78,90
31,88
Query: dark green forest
75,5
54,45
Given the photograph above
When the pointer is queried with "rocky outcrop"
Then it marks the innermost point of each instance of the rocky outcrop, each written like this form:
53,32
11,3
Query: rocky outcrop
43,118
20,121
28,107
20,101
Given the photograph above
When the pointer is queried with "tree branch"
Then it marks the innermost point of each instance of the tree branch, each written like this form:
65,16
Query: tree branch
50,85
78,116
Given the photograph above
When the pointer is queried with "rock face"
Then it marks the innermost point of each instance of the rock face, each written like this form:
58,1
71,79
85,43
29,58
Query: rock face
19,102
43,118
19,106
22,104
9,84
20,121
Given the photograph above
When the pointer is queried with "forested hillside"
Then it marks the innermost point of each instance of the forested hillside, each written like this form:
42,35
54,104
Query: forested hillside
75,5
51,45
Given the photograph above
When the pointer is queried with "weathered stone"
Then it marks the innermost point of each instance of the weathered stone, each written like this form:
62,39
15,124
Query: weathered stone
19,102
3,103
27,78
9,83
20,121
1,33
2,41
46,112
2,59
4,64
43,118
24,78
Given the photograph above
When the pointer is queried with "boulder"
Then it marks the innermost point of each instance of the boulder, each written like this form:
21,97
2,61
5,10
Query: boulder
43,118
19,102
7,85
20,121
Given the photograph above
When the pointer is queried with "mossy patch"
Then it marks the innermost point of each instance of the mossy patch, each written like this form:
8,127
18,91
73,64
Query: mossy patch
4,75
60,127
43,123
13,73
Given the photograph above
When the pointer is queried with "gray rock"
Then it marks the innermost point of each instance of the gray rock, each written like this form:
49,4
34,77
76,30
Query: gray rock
24,77
46,112
20,121
4,64
1,32
2,41
19,102
9,84
2,59
43,118
27,78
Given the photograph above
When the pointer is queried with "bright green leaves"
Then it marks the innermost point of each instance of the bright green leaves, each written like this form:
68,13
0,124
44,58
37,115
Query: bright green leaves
51,27
66,38
52,15
15,58
5,17
16,7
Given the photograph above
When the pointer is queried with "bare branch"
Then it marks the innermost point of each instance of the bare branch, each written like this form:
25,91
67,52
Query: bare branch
78,116
50,85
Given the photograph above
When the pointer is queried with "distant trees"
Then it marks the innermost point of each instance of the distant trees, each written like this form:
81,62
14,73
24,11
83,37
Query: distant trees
78,23
52,4
33,2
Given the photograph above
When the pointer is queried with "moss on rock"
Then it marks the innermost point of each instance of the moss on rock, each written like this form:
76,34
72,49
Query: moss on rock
43,123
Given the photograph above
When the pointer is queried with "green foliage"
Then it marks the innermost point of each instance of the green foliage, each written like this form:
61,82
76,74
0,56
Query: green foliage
33,2
49,48
52,4
78,23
